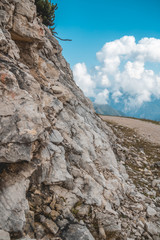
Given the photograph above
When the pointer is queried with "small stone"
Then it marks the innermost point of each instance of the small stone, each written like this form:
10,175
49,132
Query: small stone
140,230
151,212
147,236
3,40
47,210
29,226
50,237
147,172
155,237
37,200
67,214
39,230
62,223
83,210
4,235
102,233
140,224
48,200
52,204
151,228
150,193
138,207
76,231
51,226
124,225
155,182
54,214
37,192
137,233
56,137
58,207
157,165
26,238
81,222
42,218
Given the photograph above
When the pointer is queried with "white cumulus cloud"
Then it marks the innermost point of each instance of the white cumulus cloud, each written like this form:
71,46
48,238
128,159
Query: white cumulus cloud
125,71
148,49
83,79
102,97
116,95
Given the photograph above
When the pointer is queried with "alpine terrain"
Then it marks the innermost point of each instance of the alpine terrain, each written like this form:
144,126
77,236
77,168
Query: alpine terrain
65,174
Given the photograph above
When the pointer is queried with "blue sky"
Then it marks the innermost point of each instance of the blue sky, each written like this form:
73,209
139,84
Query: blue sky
90,24
115,48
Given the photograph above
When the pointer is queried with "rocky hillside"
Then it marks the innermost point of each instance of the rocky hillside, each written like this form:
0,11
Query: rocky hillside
59,176
137,144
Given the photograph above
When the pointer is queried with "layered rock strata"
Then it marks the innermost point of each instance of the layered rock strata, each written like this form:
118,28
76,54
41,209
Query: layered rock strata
59,177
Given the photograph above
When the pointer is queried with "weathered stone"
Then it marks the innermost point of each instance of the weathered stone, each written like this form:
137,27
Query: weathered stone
3,40
52,204
102,233
4,235
58,170
56,137
110,223
51,226
138,207
155,237
147,236
27,238
47,210
155,182
54,214
39,230
29,226
62,223
76,231
24,31
12,209
151,212
157,164
152,228
26,9
83,210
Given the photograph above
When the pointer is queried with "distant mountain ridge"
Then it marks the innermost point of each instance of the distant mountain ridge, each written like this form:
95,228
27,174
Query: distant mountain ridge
105,109
148,110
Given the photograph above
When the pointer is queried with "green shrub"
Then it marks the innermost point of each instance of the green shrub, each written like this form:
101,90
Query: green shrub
46,10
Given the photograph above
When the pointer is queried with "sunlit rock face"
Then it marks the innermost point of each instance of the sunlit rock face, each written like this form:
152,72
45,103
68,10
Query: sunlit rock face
59,177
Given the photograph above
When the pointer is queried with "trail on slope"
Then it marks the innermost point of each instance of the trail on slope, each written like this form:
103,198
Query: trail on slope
148,130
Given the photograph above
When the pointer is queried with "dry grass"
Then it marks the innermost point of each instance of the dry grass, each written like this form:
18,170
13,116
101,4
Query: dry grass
140,155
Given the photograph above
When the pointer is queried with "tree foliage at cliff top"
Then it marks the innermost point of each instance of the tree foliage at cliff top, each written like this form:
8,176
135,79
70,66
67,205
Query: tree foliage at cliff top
46,10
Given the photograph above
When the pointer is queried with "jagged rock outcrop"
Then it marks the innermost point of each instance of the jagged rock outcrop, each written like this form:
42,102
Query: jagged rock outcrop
59,177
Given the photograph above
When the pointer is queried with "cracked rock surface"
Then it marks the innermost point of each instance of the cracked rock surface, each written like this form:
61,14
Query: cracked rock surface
59,176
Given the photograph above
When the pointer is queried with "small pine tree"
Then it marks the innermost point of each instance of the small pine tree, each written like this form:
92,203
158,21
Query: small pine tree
46,10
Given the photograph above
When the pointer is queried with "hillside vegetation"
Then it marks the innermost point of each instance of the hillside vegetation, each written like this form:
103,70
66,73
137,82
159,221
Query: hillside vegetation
46,10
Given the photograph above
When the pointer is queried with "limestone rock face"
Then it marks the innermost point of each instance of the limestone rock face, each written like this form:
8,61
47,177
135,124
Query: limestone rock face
4,235
59,177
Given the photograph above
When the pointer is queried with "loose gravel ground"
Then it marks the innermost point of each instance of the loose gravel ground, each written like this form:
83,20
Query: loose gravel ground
148,130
